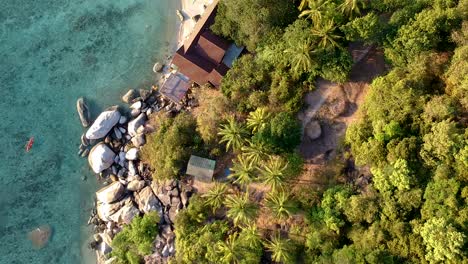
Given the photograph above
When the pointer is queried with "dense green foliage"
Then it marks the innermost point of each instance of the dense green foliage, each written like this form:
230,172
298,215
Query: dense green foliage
282,133
199,240
247,22
168,150
136,239
213,109
409,206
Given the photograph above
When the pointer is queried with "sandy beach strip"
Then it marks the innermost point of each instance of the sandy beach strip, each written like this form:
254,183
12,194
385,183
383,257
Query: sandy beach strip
190,8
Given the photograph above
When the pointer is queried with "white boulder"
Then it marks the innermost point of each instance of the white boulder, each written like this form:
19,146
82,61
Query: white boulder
139,140
100,157
122,120
130,96
137,105
136,123
313,129
135,185
103,124
117,133
104,210
110,193
147,201
132,154
104,248
125,214
132,169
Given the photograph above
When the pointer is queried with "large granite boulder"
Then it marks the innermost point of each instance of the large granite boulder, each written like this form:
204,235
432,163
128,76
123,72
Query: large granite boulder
139,140
126,214
136,123
161,193
172,214
110,193
132,169
83,112
135,185
157,67
101,157
104,248
132,154
104,210
103,124
136,105
313,129
147,201
131,95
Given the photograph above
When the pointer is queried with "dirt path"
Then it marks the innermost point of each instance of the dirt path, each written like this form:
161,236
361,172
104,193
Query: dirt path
335,106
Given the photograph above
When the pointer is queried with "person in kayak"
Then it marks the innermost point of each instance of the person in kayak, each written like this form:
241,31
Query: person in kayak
29,144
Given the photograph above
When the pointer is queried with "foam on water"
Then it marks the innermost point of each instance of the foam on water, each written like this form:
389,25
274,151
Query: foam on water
51,53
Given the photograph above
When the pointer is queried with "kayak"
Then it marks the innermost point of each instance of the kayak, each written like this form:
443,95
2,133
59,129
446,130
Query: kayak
29,144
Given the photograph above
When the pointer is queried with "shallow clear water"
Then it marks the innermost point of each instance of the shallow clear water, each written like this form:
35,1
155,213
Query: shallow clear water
51,53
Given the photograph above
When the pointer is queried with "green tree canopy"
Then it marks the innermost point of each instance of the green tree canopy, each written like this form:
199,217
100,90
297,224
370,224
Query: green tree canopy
168,150
257,119
136,239
233,134
442,240
280,204
240,209
423,33
243,171
247,22
212,110
273,172
215,196
281,249
283,133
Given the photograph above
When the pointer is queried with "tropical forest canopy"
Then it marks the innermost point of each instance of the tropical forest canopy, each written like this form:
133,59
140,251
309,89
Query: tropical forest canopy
411,133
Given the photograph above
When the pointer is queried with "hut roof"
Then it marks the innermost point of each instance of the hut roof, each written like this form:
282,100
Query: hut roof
201,168
175,87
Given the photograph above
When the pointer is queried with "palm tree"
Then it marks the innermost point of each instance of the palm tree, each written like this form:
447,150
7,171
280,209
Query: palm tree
280,205
233,134
325,33
349,7
242,171
240,209
254,152
230,250
216,196
250,235
300,61
280,249
314,10
273,172
257,119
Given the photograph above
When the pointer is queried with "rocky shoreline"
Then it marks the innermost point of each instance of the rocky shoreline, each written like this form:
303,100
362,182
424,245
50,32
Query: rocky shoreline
112,145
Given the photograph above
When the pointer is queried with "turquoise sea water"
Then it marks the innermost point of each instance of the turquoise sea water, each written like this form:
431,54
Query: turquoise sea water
51,53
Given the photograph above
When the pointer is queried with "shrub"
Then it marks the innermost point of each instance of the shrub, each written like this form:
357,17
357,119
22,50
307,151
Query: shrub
136,239
282,134
168,150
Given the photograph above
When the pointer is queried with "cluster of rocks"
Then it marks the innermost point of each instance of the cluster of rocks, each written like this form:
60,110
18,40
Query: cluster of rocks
113,146
117,204
189,101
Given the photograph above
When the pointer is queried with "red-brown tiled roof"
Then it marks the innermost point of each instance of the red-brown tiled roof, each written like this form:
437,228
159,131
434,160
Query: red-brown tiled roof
196,68
201,55
206,20
211,47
